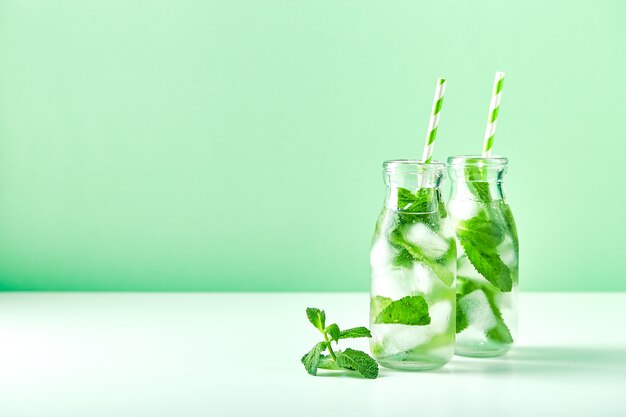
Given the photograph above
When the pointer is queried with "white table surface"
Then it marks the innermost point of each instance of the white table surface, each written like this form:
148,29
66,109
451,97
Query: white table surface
168,354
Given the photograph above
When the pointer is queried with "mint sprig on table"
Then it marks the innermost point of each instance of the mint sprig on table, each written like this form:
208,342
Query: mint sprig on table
350,359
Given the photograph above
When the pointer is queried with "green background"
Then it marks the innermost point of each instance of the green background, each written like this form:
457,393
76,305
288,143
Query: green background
237,145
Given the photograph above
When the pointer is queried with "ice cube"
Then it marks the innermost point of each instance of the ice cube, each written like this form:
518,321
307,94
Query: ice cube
507,300
392,282
478,311
440,316
507,252
424,279
397,283
463,209
398,338
433,245
447,228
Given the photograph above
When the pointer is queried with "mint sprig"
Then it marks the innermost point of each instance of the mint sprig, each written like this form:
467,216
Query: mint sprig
350,359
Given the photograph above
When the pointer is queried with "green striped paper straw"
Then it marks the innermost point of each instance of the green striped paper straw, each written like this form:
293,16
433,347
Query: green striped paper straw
494,108
431,135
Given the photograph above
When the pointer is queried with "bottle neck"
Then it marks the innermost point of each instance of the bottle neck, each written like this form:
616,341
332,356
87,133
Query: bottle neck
477,178
413,186
476,190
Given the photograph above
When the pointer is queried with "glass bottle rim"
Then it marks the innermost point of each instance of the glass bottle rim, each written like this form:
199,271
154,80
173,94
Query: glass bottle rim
412,166
477,161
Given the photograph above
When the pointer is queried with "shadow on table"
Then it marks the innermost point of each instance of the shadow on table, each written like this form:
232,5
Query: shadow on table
343,374
538,359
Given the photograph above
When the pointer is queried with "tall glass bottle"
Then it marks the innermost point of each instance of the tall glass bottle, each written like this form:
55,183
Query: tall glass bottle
487,256
413,262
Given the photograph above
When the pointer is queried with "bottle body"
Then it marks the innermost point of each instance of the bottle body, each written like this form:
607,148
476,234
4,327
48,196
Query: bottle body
413,264
487,257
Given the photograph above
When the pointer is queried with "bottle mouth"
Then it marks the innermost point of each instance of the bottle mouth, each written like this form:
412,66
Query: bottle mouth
412,166
477,161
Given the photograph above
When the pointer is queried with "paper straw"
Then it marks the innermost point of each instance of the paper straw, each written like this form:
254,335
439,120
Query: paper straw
494,107
431,135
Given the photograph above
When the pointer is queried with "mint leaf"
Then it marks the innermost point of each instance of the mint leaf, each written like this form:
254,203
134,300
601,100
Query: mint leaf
480,189
461,318
354,333
476,182
317,318
405,198
311,360
333,331
420,202
423,206
327,362
358,361
500,332
507,215
411,310
379,303
483,229
466,285
403,259
480,237
443,273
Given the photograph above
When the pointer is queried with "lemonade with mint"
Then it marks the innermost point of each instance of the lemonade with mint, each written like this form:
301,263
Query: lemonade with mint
413,263
487,256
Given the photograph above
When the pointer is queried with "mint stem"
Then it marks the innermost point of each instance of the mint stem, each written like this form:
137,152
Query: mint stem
330,348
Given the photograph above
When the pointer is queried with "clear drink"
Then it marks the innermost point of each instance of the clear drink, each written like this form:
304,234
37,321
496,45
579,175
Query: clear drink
487,257
413,263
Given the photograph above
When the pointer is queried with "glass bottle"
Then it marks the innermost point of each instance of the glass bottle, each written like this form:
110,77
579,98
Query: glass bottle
413,263
487,256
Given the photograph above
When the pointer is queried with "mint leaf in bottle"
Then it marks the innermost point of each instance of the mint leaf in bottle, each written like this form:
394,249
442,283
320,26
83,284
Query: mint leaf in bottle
500,332
480,237
379,303
476,182
462,321
411,310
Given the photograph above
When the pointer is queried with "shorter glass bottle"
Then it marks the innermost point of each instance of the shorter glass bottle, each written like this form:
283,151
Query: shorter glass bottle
413,266
487,252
